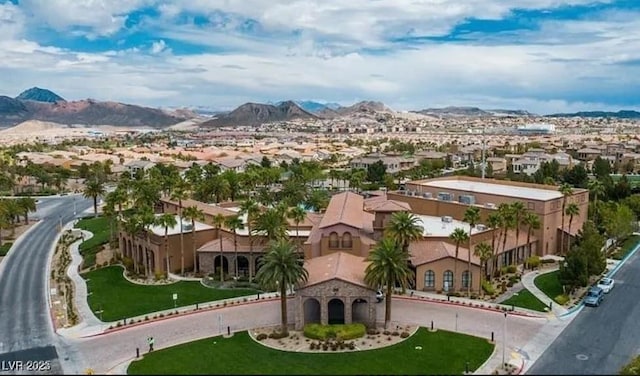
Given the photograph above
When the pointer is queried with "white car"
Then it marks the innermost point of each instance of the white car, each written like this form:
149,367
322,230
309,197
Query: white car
606,284
379,296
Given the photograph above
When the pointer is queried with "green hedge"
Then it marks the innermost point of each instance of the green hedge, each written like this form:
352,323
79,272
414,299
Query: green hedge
345,332
561,299
488,287
4,249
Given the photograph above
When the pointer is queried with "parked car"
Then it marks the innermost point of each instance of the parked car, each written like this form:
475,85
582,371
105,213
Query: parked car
606,284
379,296
594,297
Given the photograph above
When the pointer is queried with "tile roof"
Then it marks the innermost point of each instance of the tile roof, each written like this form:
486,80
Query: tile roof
339,265
344,208
206,208
228,247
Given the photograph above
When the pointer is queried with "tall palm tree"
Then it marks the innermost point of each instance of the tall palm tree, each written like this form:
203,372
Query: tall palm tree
388,266
166,220
483,251
566,191
219,221
472,217
281,267
297,214
146,220
193,214
27,205
506,215
458,236
250,208
94,189
596,188
234,223
404,228
180,192
132,227
532,221
572,210
495,223
272,224
518,210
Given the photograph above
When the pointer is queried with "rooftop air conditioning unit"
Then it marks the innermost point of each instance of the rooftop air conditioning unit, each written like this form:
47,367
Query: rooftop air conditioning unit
445,196
427,195
490,205
481,227
467,199
186,226
447,219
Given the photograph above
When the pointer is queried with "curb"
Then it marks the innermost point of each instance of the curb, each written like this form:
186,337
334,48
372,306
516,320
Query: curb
489,309
179,314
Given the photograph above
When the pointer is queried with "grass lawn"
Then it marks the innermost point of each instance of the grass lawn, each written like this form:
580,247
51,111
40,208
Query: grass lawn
119,298
443,353
525,299
626,247
4,249
100,228
549,284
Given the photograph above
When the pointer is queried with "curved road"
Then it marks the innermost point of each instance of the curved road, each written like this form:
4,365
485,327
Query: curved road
26,331
599,341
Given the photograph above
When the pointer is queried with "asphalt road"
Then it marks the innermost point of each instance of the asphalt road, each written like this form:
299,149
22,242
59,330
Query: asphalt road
26,333
600,340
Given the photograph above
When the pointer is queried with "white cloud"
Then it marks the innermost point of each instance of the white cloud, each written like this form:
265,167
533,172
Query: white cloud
159,47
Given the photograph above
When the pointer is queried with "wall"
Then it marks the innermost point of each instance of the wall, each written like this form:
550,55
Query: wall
440,266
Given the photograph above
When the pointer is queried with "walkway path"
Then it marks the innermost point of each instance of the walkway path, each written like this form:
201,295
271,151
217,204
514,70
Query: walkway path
527,282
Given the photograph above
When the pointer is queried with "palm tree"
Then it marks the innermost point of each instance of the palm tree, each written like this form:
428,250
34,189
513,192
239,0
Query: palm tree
132,227
94,189
218,221
404,228
458,236
27,205
483,251
495,223
234,223
472,217
297,214
572,210
566,191
180,192
193,214
596,188
166,220
532,221
388,266
518,210
250,209
272,224
146,219
281,267
504,210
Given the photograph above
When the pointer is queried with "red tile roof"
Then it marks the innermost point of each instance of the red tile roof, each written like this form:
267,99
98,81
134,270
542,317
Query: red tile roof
339,265
344,208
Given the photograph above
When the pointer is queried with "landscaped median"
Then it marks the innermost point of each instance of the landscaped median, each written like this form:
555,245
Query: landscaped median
4,249
525,299
99,227
425,352
115,298
549,284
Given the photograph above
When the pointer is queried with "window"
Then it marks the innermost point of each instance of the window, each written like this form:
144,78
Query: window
429,279
334,242
447,281
346,240
466,279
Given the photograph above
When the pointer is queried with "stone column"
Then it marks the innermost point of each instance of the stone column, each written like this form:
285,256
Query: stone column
299,312
324,311
348,313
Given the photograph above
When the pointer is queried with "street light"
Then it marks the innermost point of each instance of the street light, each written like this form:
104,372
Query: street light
504,340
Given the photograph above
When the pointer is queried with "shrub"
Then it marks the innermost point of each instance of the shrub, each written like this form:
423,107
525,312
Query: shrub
146,318
372,331
488,287
510,284
547,261
160,276
343,332
533,262
312,346
278,335
395,334
263,336
404,335
514,279
128,263
512,269
561,299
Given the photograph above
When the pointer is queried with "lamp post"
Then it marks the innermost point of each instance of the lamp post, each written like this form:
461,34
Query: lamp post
504,340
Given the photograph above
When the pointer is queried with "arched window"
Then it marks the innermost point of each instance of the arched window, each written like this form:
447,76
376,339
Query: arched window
346,240
466,279
429,279
334,241
447,281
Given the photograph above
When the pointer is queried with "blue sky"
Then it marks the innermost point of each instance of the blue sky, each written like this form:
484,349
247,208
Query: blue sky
540,55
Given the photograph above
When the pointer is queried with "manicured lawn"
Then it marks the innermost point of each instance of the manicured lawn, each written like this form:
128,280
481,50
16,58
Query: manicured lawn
4,248
549,284
100,228
119,298
626,247
525,299
443,353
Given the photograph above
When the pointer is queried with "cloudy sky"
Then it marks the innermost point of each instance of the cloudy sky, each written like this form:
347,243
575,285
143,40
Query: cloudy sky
541,55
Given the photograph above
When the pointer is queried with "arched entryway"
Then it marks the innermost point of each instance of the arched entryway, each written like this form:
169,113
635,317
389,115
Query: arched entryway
243,266
311,311
360,311
216,265
336,311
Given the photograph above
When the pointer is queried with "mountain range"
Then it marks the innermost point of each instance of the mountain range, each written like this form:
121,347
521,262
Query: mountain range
45,105
622,114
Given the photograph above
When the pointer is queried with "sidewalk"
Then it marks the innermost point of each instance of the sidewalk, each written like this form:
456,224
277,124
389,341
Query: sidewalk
527,282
